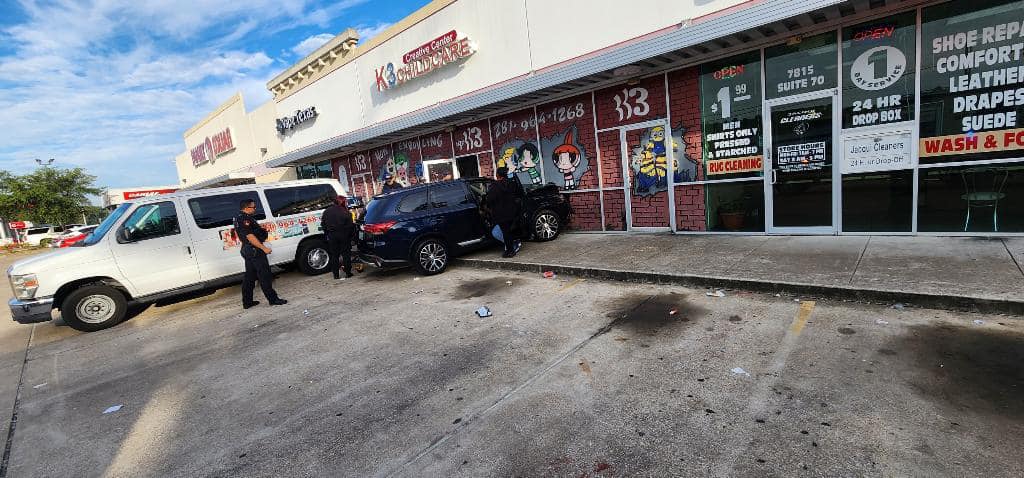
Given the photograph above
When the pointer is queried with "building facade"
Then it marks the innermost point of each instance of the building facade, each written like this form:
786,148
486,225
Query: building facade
113,197
694,116
231,146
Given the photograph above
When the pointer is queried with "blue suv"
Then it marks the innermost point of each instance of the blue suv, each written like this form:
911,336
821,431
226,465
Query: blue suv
428,224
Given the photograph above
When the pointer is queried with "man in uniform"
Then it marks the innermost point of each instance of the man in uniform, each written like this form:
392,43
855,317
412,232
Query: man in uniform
390,184
252,236
503,208
338,225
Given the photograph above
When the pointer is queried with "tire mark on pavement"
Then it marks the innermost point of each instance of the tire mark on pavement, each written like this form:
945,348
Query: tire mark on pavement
14,411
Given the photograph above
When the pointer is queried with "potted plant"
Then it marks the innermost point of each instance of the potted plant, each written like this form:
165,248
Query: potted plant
732,214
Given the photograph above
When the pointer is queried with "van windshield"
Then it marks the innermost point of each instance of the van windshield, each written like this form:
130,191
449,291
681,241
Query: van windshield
105,226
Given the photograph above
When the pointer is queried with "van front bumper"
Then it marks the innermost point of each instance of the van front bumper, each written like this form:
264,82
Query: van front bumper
30,311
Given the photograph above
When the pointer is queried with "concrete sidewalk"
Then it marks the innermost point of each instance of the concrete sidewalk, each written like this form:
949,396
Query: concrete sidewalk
979,274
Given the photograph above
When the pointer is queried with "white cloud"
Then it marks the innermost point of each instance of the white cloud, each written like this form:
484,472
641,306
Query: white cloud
111,85
367,32
309,45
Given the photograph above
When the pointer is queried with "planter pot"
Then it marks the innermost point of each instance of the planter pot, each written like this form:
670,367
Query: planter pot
732,221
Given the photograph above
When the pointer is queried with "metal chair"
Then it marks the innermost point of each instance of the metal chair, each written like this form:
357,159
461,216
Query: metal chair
984,189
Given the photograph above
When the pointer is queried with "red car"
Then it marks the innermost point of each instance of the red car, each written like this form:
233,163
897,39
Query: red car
70,240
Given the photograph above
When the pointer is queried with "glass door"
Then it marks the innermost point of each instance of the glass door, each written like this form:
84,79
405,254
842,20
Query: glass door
801,178
647,159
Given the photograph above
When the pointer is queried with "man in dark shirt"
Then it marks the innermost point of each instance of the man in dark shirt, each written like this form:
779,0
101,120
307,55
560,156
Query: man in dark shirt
390,184
339,228
252,236
503,208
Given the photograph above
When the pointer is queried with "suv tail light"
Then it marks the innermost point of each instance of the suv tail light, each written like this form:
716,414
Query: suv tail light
379,228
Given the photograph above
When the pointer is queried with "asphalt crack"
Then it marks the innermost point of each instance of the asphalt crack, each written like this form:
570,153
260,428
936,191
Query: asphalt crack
14,410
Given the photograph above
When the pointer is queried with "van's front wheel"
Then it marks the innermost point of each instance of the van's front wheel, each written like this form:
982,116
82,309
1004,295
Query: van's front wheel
312,257
94,307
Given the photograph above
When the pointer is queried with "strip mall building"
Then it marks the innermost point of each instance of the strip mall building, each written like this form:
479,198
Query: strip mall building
695,116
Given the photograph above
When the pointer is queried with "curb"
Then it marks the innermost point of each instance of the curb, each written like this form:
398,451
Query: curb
916,299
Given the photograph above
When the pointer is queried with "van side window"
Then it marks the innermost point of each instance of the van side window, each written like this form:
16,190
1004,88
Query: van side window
150,221
413,202
448,195
220,210
299,199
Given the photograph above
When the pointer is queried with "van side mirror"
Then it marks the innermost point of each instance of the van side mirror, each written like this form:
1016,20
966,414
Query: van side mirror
124,236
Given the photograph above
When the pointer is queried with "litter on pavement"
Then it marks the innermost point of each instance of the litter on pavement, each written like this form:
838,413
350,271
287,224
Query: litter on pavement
898,306
305,311
41,385
549,275
979,322
508,282
483,312
112,409
716,293
740,371
882,322
673,312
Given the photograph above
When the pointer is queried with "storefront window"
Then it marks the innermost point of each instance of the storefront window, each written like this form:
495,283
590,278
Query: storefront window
730,92
972,82
735,206
981,198
878,71
799,67
314,170
878,202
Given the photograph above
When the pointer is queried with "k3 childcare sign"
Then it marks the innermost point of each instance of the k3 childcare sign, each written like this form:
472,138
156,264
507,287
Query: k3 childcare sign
425,59
213,147
972,82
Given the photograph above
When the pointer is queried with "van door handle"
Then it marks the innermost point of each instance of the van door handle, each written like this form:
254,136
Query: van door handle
188,250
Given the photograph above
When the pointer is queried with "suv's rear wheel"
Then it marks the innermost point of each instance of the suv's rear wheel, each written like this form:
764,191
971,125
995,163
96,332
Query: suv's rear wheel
312,257
430,257
546,225
94,307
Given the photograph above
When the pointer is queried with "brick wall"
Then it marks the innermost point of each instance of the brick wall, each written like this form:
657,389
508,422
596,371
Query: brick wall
586,211
611,158
684,104
614,210
472,138
486,162
436,146
554,121
638,103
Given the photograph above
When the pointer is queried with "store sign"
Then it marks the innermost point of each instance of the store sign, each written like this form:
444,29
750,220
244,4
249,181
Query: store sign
213,147
972,83
878,77
429,57
17,225
801,67
731,115
129,195
802,136
883,152
286,124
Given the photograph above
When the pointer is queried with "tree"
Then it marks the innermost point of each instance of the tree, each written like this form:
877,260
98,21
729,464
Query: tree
47,195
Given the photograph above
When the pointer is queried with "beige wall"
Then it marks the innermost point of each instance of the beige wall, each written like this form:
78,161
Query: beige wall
512,38
251,131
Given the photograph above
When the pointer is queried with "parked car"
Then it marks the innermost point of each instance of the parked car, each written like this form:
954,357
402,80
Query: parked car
74,237
162,246
34,235
67,231
426,225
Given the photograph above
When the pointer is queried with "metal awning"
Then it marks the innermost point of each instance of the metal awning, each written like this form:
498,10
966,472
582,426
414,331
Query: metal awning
745,28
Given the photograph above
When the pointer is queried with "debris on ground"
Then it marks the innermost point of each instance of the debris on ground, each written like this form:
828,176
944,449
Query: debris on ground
717,293
305,311
882,322
548,275
417,291
898,306
112,409
674,311
778,295
484,312
979,322
41,385
415,278
508,282
740,371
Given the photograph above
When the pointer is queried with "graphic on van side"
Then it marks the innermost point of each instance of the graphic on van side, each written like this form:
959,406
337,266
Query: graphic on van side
277,230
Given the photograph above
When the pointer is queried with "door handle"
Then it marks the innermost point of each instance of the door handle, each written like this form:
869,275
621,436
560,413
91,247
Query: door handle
188,250
775,176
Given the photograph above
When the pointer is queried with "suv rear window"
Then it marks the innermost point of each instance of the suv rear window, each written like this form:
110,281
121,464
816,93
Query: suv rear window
393,205
299,199
220,210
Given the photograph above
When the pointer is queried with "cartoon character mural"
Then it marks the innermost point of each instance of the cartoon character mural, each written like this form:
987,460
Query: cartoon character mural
521,160
398,166
568,157
649,161
684,168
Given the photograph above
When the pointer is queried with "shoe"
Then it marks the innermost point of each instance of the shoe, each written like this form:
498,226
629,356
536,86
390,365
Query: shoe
348,274
250,304
278,302
337,277
519,245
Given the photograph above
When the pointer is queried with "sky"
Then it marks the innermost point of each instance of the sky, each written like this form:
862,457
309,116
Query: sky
111,85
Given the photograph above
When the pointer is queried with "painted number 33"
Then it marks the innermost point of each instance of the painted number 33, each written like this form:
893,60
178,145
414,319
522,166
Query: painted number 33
632,102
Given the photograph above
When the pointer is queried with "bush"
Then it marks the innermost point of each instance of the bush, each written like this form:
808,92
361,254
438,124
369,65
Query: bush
45,242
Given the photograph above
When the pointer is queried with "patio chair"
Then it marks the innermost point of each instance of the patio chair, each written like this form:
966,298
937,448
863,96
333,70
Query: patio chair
984,189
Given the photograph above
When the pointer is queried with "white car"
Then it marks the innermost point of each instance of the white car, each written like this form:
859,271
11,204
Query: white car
68,231
34,235
161,246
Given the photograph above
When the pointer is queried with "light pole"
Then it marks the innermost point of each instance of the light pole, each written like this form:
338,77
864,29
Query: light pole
45,163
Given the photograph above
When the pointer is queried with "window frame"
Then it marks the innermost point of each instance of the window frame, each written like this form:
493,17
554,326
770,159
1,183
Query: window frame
273,213
121,239
261,213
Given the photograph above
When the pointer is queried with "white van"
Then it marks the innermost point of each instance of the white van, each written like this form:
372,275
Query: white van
161,246
34,235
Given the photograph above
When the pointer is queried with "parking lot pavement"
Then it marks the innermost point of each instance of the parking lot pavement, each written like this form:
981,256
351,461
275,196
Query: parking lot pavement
389,374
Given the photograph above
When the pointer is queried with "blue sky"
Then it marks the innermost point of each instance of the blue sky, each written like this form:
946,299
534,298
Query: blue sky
111,85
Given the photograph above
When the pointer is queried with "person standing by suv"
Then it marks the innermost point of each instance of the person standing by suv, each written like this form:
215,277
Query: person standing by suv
390,184
252,236
504,209
338,225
